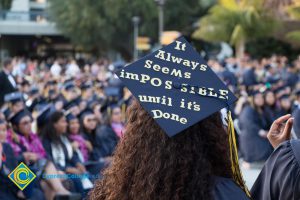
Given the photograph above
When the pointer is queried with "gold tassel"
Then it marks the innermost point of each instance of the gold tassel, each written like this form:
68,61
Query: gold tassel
236,172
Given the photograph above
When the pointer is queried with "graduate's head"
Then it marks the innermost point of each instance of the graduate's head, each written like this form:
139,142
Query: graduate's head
15,101
174,141
73,124
7,65
21,122
270,98
285,102
88,121
55,127
257,99
59,122
155,165
3,131
116,114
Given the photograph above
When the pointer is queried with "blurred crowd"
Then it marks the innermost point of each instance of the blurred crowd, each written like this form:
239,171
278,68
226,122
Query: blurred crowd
266,88
59,118
66,116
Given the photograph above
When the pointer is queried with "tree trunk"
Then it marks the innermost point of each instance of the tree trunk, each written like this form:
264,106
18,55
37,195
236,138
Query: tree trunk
240,48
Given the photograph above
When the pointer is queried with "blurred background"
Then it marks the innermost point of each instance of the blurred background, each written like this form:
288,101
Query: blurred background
57,80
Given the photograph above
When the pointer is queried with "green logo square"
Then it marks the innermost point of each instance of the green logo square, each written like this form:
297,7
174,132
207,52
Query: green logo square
22,176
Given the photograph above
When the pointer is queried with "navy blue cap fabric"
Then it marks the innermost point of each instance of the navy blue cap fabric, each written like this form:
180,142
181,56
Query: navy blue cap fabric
86,85
15,119
14,97
33,91
70,117
176,87
69,85
85,113
44,114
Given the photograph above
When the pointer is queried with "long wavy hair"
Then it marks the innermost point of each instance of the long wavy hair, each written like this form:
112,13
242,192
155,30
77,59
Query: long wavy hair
148,165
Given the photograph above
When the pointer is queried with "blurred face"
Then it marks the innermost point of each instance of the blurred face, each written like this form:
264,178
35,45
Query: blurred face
3,132
286,104
75,110
259,100
270,98
72,94
61,125
90,122
9,67
116,115
17,107
24,126
74,126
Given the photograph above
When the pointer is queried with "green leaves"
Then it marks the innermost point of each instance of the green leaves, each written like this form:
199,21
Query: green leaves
107,24
236,22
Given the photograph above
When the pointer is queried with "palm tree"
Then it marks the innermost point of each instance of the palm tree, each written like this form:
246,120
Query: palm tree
236,21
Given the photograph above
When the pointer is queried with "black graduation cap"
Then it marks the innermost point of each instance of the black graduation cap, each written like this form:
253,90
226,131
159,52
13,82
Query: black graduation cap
284,96
70,117
177,88
13,97
85,112
297,93
44,114
72,103
34,90
69,85
86,85
16,118
51,82
175,85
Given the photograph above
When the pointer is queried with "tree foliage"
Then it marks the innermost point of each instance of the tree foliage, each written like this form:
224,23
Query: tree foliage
5,4
236,22
107,24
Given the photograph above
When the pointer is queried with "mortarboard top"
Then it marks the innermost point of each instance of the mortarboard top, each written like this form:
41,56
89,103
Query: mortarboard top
86,85
44,114
176,87
13,97
51,82
70,117
284,96
16,118
68,85
34,90
72,103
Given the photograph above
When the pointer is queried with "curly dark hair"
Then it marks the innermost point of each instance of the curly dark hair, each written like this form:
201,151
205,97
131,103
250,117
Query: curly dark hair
148,164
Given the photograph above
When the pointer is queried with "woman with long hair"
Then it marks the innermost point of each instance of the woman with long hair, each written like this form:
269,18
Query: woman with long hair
34,155
59,148
254,129
148,164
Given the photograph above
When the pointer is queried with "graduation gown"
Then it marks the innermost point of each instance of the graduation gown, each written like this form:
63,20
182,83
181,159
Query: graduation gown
69,160
8,190
226,189
280,176
252,146
104,142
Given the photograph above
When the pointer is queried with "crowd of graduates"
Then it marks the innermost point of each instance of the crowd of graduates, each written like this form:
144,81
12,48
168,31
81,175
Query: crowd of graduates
65,116
59,122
